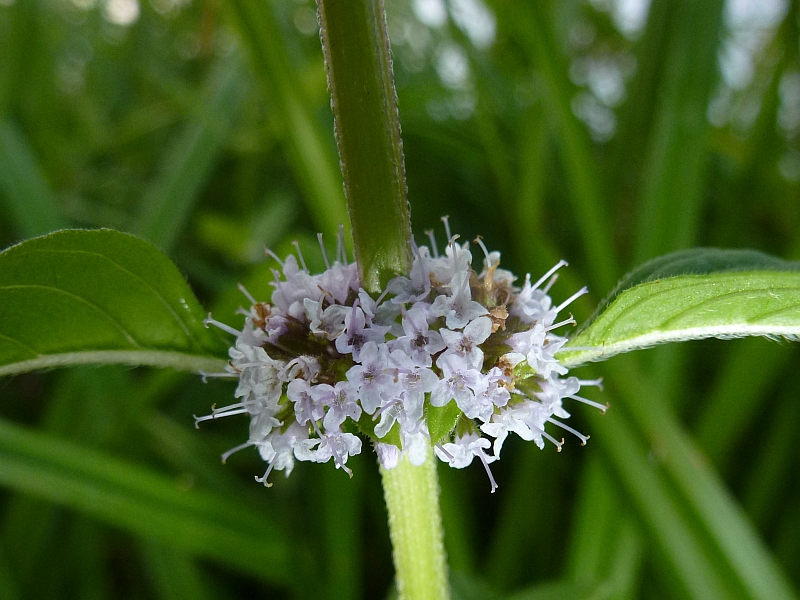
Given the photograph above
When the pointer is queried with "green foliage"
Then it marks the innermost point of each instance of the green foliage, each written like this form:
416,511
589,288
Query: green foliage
694,294
206,128
78,297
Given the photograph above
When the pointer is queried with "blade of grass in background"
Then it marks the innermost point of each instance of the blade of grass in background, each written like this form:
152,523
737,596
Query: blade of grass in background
9,587
89,557
701,490
774,463
174,575
737,396
530,26
664,516
607,547
168,203
143,502
24,192
459,539
312,155
341,499
675,169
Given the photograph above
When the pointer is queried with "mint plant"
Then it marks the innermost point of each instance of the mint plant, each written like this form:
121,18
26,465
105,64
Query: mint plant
418,350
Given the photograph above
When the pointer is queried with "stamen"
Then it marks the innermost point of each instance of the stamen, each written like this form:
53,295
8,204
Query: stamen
263,478
543,278
383,409
273,255
247,294
570,321
205,376
445,452
276,275
434,248
296,245
446,221
550,438
324,253
480,243
336,458
198,420
577,434
571,299
488,470
601,407
553,279
226,328
229,413
598,383
228,454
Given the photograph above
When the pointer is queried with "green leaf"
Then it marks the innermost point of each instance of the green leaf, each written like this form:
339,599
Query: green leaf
441,419
98,297
690,295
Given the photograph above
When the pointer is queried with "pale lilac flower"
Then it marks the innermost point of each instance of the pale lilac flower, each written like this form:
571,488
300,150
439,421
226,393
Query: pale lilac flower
341,400
325,352
418,341
466,343
459,308
372,379
458,382
356,335
306,408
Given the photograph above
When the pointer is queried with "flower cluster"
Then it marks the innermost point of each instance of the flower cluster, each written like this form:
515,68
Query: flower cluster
444,357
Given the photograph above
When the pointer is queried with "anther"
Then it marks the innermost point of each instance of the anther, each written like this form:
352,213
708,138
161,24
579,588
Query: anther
446,221
577,434
480,243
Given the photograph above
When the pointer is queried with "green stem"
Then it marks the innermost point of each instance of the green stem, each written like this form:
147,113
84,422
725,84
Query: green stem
412,499
356,48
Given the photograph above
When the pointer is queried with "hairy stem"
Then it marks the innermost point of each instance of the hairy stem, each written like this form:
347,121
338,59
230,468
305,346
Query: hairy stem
356,48
412,499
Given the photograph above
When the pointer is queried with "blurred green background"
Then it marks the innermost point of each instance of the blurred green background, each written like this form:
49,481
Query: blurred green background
605,132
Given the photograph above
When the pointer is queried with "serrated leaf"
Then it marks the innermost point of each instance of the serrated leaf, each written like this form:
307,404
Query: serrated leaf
98,297
690,295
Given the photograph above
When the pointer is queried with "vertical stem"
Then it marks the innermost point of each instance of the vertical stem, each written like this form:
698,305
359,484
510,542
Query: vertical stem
356,48
412,499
